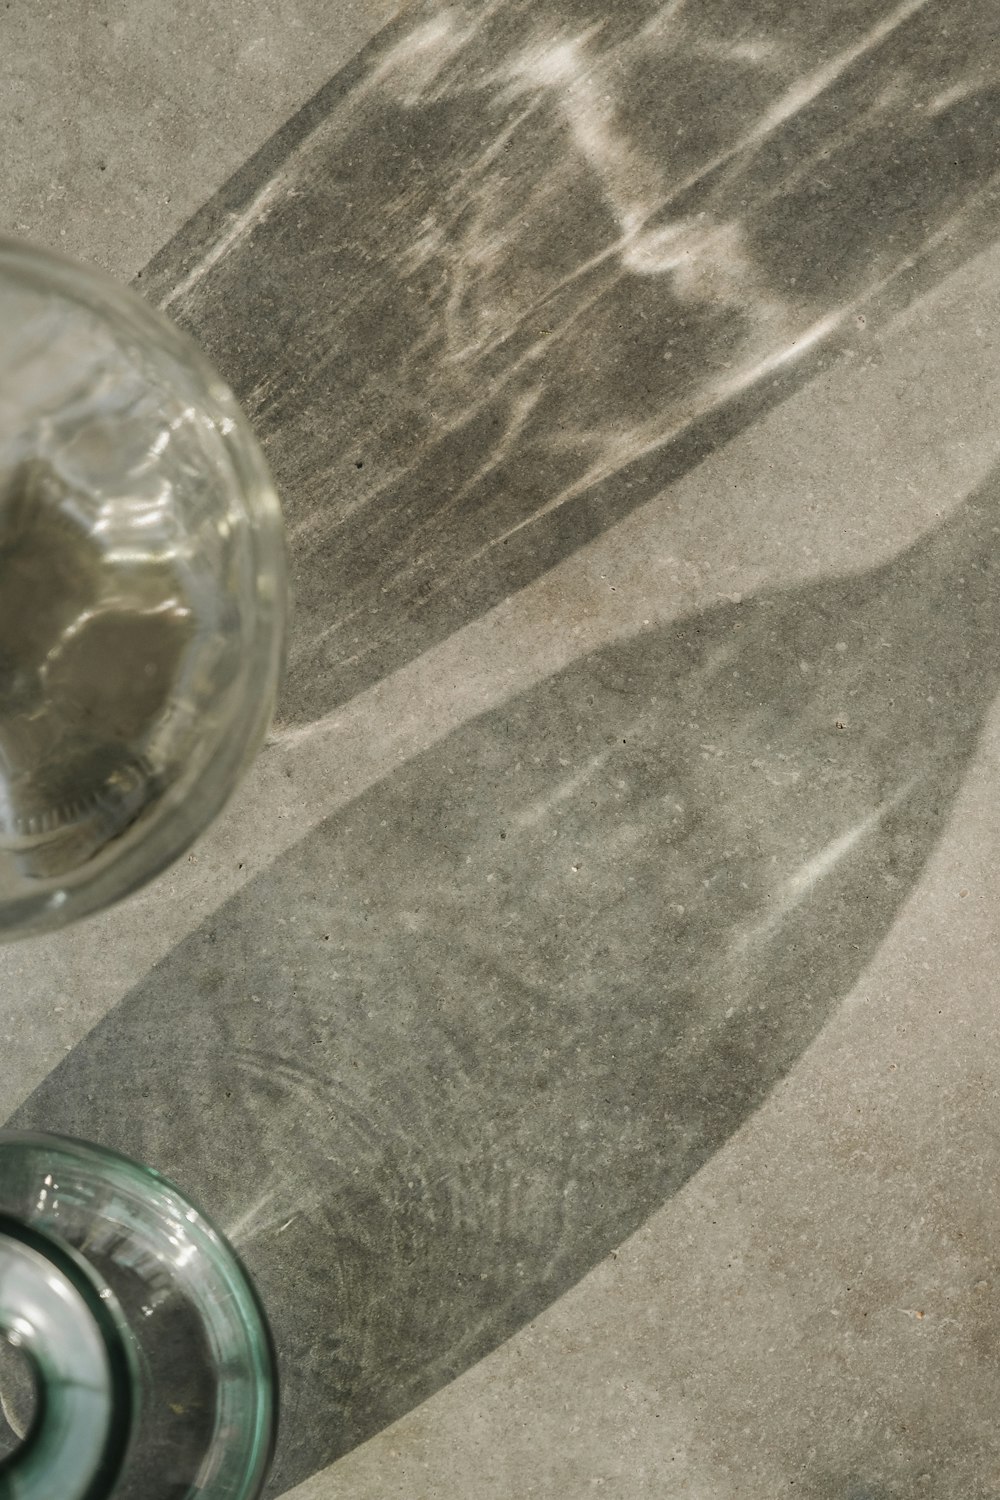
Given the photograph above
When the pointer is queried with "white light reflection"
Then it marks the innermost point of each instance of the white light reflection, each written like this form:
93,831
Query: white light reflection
43,1195
152,517
240,226
801,883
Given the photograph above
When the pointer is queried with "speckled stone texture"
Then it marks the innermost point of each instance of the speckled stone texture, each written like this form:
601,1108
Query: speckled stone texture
583,1018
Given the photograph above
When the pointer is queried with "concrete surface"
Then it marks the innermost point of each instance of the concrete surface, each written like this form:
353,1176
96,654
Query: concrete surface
583,1018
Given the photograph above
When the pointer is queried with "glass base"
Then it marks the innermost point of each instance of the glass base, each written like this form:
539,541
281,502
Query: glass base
152,1361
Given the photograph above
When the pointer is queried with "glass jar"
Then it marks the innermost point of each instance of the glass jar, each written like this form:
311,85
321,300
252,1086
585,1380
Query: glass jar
142,591
135,1359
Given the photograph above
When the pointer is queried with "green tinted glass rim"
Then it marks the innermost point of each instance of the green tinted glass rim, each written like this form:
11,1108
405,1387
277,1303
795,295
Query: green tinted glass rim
104,1312
258,1344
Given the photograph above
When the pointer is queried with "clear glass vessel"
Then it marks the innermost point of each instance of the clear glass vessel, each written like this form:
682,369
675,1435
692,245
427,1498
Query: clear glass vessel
142,591
135,1359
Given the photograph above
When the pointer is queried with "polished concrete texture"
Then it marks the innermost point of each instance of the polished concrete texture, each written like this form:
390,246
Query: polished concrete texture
583,1019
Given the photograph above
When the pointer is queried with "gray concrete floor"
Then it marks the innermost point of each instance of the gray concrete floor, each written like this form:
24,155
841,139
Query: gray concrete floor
583,1019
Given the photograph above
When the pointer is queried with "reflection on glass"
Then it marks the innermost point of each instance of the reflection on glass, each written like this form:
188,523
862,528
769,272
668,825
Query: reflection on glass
135,1359
142,592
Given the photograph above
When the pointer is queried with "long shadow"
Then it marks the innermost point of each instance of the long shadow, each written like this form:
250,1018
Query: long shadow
521,265
449,1050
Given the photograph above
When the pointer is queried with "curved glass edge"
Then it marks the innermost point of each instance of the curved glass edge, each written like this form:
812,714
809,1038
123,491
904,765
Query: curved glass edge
22,1474
176,825
259,1344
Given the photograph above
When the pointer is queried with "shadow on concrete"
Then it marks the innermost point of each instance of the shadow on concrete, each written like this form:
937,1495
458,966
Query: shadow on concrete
452,1048
520,266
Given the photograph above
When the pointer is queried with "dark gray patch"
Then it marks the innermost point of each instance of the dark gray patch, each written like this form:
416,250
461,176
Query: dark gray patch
440,281
510,1051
